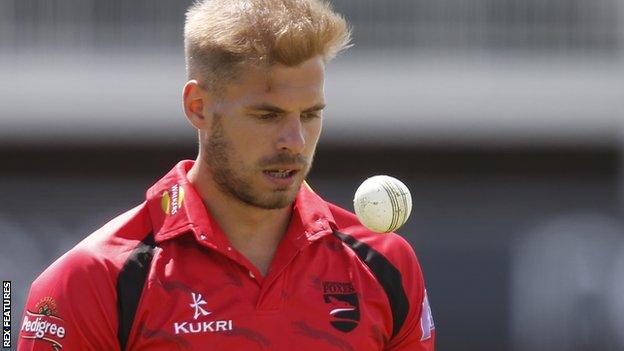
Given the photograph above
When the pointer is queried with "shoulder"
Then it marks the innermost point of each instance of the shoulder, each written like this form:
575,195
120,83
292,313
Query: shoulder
78,292
111,243
391,259
391,246
99,257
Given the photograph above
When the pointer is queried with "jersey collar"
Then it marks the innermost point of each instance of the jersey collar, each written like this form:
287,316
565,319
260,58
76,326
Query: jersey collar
176,208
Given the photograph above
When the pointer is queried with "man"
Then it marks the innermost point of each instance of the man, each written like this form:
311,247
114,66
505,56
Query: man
234,251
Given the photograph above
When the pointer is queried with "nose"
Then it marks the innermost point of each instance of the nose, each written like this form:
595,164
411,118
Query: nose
292,136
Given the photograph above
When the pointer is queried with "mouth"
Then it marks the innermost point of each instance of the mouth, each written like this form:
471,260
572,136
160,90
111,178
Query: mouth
284,173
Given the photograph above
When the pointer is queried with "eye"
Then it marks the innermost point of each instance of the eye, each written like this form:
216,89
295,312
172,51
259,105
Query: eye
267,116
310,115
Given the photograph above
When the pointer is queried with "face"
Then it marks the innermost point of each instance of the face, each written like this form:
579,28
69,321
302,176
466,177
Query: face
263,134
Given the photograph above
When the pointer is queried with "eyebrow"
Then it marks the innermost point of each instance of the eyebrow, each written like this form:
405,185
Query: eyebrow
272,108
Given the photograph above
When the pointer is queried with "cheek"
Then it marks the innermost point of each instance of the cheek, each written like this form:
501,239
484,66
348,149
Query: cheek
248,148
313,132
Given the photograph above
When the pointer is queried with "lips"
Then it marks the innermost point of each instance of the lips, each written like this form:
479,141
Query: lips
281,173
282,176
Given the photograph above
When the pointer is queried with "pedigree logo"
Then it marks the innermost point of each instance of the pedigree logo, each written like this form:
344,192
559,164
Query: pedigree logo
44,325
172,199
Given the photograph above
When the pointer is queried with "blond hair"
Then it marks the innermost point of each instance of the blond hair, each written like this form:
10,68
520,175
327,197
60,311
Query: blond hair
222,36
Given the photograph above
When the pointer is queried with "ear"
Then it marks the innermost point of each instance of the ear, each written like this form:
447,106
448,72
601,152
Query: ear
197,103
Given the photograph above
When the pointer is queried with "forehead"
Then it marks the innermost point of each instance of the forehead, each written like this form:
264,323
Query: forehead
280,84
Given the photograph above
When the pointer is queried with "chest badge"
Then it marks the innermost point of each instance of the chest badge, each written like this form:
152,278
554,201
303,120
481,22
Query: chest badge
343,303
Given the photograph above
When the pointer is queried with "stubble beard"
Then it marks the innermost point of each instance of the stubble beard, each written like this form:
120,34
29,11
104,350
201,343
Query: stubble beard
217,158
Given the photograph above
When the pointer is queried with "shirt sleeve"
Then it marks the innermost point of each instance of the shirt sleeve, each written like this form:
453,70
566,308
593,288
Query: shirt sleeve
418,330
71,306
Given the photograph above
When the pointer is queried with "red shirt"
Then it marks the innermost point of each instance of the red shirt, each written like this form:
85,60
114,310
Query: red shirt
163,276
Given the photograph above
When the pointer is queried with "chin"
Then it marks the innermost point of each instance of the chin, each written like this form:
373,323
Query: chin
280,199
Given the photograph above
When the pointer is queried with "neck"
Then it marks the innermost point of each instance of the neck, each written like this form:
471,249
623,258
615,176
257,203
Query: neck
254,231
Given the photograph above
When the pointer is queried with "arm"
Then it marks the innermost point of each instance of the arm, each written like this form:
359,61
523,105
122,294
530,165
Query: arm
71,306
418,331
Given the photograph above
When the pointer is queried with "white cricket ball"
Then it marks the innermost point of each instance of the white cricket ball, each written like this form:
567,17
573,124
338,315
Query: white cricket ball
382,203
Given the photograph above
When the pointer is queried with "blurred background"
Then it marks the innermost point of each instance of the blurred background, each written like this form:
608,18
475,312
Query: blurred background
504,117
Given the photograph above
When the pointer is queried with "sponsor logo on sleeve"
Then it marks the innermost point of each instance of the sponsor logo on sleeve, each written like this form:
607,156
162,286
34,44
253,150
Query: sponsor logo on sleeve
426,319
344,307
172,199
200,324
44,324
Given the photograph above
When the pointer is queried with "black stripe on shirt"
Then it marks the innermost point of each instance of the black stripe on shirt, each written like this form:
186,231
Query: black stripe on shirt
386,274
130,284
